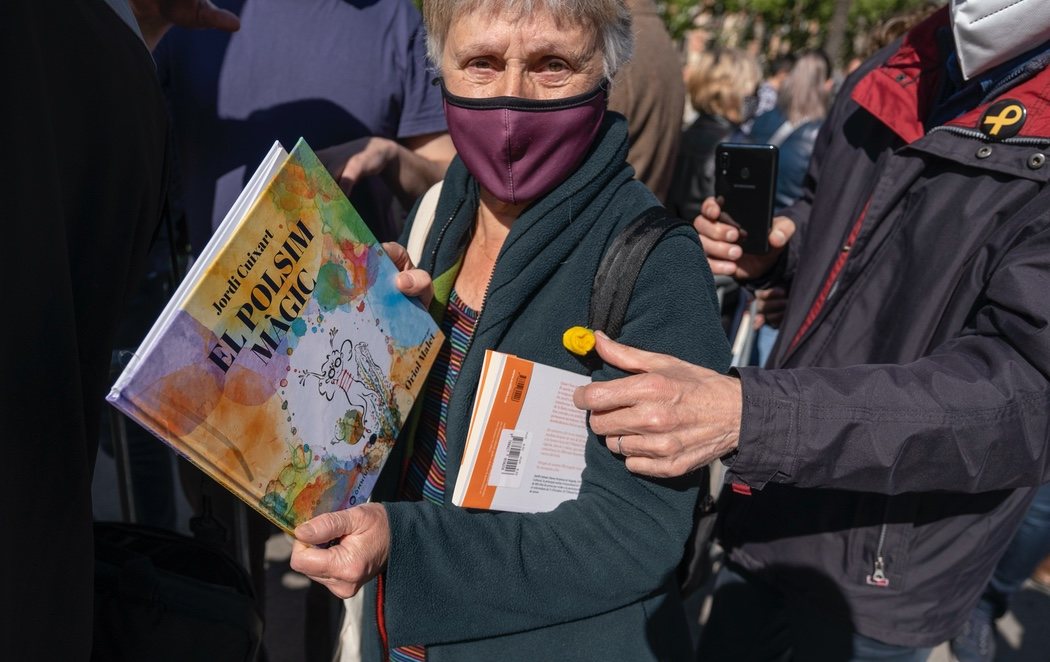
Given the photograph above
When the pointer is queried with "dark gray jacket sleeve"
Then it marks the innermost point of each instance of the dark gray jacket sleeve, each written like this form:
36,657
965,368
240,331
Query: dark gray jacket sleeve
973,415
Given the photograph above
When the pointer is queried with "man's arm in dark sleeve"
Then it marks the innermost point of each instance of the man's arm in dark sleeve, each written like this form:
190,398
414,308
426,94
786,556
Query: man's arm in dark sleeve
973,415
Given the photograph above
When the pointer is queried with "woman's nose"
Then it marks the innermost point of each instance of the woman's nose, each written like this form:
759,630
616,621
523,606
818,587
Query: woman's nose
513,82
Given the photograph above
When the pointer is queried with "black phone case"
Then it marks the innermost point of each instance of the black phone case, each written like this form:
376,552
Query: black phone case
746,180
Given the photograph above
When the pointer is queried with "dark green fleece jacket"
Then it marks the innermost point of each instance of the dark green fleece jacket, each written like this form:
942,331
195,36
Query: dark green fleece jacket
593,579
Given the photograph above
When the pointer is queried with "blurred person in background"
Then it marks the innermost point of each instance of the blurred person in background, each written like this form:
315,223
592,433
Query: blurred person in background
650,93
88,180
770,88
793,123
792,126
721,86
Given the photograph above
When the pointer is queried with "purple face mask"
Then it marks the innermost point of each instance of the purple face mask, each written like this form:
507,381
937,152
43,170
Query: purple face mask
519,149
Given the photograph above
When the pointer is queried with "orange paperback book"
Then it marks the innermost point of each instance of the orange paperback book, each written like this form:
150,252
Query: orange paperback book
525,444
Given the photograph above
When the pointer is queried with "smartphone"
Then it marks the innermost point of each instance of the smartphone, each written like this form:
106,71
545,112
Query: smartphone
746,182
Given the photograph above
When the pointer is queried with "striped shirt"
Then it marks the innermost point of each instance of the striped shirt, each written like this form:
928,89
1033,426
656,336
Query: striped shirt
425,478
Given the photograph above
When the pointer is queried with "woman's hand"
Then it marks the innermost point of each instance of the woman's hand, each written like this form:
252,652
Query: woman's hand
719,236
359,553
411,281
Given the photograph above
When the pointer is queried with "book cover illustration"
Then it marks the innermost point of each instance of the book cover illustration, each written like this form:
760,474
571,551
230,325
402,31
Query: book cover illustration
287,364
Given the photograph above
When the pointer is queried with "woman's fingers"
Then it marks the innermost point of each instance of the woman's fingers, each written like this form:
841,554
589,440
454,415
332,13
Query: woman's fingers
412,282
398,255
416,283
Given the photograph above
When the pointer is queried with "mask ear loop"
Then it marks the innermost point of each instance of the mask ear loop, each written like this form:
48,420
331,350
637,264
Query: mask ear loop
605,85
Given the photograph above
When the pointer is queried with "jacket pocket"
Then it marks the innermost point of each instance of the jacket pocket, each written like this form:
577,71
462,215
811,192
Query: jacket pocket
879,545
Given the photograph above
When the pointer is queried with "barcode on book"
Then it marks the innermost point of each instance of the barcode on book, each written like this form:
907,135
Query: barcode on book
511,463
510,454
520,380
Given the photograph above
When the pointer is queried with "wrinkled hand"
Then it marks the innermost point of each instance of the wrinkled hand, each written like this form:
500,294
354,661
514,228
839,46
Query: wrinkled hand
719,236
770,304
411,281
667,420
156,16
361,553
349,162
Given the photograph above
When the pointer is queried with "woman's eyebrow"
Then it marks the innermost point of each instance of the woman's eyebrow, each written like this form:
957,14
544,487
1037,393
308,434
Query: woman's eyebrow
544,47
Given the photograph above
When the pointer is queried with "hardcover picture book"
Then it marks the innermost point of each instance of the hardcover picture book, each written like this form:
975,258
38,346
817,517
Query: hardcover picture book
526,440
287,361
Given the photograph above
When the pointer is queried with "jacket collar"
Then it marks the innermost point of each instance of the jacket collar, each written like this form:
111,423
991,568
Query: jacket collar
900,91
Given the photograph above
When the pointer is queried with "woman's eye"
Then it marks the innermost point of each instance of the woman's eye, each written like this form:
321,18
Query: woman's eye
554,66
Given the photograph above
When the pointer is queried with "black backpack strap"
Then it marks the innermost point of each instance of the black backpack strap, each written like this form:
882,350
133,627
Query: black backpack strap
620,266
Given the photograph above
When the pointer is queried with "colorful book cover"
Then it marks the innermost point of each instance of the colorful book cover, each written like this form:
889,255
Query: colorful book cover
286,364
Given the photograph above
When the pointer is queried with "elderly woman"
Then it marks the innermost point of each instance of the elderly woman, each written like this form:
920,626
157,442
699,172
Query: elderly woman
539,189
722,86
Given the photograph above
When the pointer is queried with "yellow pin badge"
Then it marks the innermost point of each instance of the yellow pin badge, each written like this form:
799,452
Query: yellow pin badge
579,340
1003,119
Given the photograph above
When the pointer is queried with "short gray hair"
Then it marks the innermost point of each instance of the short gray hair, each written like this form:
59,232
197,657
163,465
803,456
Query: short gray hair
610,19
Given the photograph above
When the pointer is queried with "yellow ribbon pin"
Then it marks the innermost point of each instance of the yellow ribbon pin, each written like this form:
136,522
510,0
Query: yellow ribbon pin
1007,117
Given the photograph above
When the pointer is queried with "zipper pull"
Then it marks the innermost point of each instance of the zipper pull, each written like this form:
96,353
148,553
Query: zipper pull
878,576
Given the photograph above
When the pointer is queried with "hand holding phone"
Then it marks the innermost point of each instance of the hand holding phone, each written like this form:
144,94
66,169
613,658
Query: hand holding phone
724,254
745,185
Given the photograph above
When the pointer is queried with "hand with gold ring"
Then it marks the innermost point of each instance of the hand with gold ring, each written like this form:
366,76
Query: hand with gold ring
674,416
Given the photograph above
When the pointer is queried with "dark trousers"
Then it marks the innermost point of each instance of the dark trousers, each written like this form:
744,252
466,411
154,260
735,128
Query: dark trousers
1029,546
753,622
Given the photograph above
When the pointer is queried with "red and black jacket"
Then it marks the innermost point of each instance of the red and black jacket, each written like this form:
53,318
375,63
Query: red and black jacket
892,447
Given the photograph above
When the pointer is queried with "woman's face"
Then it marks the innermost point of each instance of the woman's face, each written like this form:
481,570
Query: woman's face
493,55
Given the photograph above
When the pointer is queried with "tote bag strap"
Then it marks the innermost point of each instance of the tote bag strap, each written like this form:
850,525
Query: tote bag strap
423,222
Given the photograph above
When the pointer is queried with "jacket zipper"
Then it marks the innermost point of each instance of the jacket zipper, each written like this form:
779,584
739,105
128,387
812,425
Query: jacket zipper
972,133
481,311
831,280
441,235
878,572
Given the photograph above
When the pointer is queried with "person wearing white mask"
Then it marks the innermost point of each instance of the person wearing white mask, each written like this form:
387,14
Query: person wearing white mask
877,472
